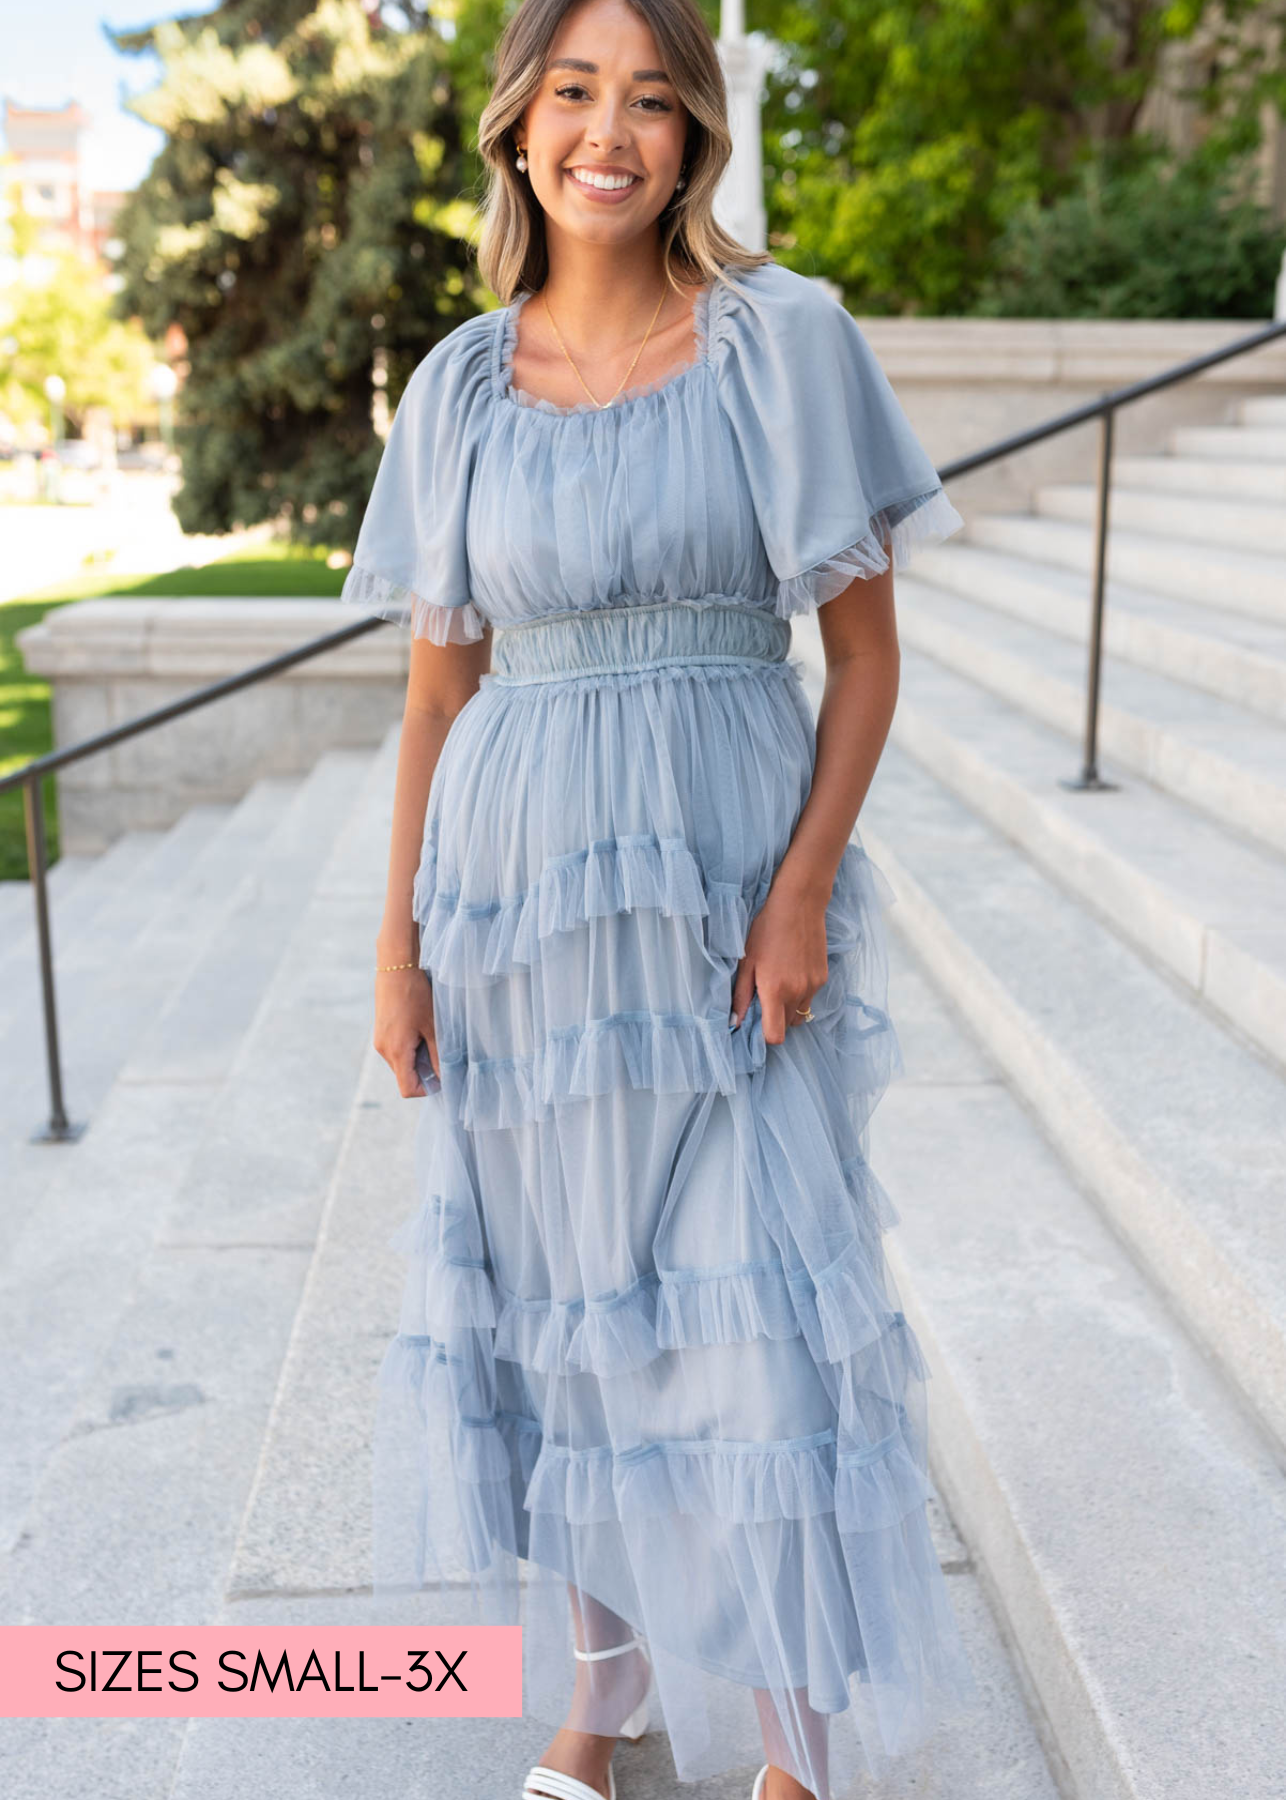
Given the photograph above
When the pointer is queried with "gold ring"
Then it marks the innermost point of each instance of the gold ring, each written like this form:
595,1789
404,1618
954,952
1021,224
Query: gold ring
805,1015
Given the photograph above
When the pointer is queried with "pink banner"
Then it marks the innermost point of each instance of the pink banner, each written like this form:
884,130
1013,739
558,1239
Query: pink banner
261,1672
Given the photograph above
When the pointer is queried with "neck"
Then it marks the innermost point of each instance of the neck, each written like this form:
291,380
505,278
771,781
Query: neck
601,294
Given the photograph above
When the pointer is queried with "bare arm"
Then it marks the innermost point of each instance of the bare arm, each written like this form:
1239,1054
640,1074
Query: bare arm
441,679
786,945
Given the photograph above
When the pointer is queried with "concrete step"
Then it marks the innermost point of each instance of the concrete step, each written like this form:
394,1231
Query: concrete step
1175,1124
1261,443
18,915
1196,899
16,903
210,1125
113,974
125,869
1264,409
1238,581
1239,659
996,1755
1213,521
170,1408
1130,1519
1205,475
101,985
1229,763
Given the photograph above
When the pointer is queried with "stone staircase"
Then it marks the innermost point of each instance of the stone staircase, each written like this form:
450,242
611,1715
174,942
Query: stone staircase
1088,1151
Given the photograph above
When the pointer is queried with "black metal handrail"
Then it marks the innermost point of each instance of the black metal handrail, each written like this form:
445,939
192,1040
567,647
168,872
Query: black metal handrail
60,1130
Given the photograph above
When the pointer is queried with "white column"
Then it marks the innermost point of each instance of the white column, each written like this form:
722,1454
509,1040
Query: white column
739,201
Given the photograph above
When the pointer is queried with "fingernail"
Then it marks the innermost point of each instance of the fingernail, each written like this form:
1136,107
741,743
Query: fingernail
732,1021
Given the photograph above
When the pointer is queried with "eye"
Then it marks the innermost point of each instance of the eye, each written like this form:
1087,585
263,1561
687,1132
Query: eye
575,87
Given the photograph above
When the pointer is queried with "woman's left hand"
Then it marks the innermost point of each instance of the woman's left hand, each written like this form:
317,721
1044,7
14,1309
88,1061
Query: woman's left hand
784,962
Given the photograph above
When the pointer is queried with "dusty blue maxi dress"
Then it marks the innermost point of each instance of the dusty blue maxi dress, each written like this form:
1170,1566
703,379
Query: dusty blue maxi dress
649,1341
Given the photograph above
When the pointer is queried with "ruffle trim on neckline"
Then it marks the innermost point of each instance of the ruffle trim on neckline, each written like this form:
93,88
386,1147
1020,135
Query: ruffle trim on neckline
437,621
908,525
508,342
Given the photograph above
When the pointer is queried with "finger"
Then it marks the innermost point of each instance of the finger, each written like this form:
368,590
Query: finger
742,989
796,1010
773,1017
403,1066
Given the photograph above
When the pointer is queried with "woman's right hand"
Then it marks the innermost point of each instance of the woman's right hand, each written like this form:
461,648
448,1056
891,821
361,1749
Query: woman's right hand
404,1016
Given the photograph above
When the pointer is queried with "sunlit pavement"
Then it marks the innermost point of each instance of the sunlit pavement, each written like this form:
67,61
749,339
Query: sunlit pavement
133,531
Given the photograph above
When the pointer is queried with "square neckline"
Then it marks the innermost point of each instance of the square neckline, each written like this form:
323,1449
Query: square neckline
522,400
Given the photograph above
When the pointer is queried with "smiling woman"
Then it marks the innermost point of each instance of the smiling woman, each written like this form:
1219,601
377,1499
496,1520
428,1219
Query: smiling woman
653,1391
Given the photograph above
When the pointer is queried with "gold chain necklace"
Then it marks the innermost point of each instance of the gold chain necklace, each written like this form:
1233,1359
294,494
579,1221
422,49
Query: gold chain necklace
601,404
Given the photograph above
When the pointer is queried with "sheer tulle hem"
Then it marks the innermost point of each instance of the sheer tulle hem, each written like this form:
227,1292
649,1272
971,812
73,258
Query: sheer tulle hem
907,526
387,599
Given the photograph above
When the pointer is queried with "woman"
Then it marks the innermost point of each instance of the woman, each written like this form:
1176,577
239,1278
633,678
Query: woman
649,1346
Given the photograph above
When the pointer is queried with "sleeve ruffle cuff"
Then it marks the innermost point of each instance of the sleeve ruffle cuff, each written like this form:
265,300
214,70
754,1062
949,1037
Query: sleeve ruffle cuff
388,599
908,525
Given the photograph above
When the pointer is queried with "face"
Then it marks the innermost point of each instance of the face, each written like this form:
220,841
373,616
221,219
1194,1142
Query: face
604,134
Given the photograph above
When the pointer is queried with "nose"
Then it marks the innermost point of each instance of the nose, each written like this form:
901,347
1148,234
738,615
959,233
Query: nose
607,128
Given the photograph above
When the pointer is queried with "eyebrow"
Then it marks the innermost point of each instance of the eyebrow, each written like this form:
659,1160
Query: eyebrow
588,68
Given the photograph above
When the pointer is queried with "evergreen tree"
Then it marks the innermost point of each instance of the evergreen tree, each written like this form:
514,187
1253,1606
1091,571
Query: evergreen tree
302,215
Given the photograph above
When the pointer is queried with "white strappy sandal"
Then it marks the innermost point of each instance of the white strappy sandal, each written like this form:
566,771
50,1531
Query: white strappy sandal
760,1781
557,1786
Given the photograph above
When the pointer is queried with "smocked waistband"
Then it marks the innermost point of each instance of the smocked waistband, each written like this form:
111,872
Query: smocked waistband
607,640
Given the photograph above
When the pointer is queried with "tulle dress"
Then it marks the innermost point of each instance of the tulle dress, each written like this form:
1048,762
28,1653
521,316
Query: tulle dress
649,1342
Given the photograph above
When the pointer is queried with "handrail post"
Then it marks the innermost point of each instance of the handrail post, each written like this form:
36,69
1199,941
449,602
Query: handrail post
1089,776
59,1130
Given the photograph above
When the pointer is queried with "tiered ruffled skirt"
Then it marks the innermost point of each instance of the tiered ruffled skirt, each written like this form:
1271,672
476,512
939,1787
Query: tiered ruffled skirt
649,1342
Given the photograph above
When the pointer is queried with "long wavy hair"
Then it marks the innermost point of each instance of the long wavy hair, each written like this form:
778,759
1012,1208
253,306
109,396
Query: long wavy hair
512,251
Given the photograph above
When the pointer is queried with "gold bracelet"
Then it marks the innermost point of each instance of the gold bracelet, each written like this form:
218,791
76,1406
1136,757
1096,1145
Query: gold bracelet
387,968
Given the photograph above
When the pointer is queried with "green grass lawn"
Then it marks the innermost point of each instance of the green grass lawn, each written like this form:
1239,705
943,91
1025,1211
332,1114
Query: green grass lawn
261,572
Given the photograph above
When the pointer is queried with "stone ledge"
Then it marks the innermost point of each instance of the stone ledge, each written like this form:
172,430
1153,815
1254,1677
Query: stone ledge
204,639
1097,353
110,660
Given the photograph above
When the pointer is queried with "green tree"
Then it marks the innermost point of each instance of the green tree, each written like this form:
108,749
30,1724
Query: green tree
56,319
902,137
303,214
1138,239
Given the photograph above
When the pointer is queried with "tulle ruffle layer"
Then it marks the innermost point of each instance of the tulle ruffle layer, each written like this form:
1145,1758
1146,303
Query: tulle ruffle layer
907,527
587,940
868,1488
841,1310
388,599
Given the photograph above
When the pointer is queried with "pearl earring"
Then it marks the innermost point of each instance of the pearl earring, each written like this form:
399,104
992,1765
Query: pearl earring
522,158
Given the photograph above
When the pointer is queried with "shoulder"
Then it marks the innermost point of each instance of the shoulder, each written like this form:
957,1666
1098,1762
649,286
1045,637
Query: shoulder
460,364
770,297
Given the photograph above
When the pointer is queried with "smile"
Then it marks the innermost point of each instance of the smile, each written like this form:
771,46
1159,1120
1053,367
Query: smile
603,184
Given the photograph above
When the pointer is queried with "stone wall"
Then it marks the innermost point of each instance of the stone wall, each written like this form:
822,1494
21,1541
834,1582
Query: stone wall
110,660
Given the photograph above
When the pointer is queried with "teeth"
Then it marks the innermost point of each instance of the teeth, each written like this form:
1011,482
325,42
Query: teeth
604,181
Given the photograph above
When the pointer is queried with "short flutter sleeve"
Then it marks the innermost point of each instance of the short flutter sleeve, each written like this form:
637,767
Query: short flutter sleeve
410,563
834,467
